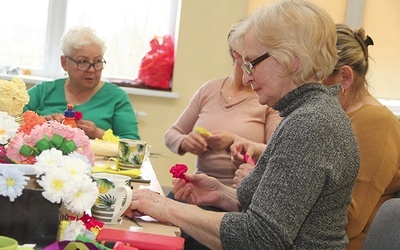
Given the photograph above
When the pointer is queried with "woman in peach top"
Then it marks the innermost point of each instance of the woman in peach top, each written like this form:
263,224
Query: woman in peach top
230,111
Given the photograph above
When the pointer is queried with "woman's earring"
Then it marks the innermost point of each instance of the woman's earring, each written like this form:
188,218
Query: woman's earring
65,73
343,91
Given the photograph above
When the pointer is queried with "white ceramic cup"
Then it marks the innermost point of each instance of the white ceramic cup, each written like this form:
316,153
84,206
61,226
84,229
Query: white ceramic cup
115,195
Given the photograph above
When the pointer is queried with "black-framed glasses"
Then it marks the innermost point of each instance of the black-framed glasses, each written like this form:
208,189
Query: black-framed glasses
249,66
83,65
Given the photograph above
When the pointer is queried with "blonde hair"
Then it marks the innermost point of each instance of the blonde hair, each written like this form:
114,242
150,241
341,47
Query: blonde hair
79,37
235,39
297,28
353,51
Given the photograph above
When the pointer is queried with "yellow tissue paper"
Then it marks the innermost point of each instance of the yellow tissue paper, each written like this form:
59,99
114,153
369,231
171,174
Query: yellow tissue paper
133,173
107,146
202,131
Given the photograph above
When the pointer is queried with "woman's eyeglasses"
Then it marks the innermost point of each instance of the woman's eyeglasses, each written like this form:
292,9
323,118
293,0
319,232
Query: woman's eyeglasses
249,66
83,65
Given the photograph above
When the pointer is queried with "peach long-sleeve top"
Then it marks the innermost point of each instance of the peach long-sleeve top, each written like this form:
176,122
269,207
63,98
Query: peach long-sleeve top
377,131
209,108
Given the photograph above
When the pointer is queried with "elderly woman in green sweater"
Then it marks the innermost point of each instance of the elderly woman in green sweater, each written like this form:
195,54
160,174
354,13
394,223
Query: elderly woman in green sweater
103,105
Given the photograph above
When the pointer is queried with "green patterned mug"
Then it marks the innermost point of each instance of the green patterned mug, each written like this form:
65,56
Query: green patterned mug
131,153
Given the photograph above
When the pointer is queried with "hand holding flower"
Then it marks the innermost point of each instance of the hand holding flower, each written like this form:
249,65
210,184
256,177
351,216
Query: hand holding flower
178,171
202,190
90,128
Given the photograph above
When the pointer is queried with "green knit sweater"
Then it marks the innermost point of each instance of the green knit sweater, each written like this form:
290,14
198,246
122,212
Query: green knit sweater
109,108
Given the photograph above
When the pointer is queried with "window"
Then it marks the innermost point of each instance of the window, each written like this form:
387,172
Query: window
20,24
30,39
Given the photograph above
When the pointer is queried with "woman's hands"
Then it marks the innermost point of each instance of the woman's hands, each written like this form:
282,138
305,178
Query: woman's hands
243,150
199,189
90,129
145,201
197,144
220,140
88,126
247,152
193,143
203,190
54,117
243,170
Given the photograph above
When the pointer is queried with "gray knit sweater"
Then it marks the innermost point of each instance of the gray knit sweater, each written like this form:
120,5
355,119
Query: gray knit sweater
297,195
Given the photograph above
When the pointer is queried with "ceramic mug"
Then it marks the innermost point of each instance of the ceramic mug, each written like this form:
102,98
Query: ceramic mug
115,195
7,243
131,153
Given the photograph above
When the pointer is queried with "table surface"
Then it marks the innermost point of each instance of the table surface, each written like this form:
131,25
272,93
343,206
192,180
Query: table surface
145,223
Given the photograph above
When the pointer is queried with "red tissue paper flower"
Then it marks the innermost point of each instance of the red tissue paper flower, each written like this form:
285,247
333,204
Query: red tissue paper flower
78,115
178,171
246,159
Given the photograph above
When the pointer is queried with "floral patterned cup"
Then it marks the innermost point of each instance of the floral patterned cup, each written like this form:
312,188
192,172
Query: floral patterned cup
131,153
115,194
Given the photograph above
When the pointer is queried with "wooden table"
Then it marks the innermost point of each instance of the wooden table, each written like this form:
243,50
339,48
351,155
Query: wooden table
145,223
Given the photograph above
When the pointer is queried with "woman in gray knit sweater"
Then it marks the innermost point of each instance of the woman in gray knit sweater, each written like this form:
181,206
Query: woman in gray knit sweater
297,195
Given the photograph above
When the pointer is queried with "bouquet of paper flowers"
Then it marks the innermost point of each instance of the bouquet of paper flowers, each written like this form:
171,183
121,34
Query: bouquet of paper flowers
42,162
58,155
36,135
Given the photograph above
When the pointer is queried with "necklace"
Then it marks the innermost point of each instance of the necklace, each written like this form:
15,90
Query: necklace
229,90
224,91
231,96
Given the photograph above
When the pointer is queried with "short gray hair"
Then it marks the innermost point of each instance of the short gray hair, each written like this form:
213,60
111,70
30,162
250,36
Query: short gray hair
78,37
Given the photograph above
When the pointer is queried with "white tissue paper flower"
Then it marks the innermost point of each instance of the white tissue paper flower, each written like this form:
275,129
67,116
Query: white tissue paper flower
81,195
74,228
48,159
75,166
8,127
12,182
54,183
